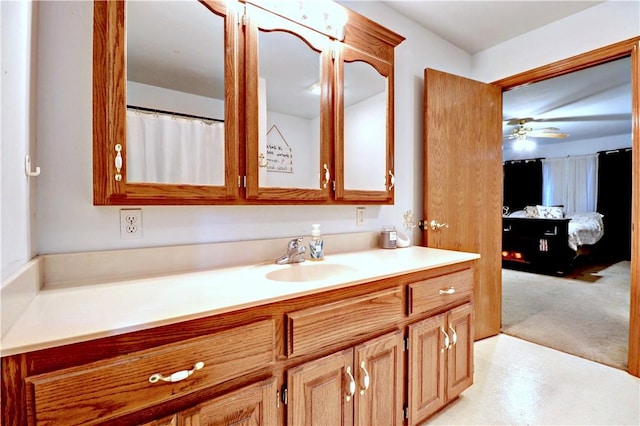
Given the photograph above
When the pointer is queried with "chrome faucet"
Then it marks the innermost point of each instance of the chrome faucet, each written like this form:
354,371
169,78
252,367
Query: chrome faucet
295,252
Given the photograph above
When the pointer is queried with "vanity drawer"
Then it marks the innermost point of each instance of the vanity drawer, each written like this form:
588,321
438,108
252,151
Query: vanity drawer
429,294
106,389
315,328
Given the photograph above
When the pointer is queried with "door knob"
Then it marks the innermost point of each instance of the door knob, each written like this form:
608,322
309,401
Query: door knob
435,225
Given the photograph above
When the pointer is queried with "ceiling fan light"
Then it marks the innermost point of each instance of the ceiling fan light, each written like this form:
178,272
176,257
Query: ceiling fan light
522,144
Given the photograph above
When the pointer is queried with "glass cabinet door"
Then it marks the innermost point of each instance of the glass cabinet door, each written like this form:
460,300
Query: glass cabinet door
288,95
364,128
165,119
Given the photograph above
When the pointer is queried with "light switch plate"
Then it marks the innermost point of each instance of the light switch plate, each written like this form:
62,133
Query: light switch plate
360,216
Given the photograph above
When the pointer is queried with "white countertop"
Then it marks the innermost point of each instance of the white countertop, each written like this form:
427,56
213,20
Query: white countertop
60,316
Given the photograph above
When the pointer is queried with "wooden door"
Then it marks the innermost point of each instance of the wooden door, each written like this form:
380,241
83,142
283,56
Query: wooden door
463,181
379,366
460,353
320,393
426,376
254,405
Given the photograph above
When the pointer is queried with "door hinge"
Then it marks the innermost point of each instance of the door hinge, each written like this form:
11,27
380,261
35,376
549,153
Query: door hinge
242,181
405,411
284,397
405,343
333,186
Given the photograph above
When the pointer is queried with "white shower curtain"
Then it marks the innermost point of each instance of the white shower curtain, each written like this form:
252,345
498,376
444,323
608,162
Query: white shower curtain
571,182
167,149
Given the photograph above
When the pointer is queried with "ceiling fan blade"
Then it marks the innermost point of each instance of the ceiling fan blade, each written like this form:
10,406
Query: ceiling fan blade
517,121
547,135
601,117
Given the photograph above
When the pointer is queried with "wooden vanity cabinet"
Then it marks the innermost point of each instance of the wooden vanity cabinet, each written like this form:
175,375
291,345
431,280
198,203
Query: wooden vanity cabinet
360,386
381,352
107,389
440,361
252,405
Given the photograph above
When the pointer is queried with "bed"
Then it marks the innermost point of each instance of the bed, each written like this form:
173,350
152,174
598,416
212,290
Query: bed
548,242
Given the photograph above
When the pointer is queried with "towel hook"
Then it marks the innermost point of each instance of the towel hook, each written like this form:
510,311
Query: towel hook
27,168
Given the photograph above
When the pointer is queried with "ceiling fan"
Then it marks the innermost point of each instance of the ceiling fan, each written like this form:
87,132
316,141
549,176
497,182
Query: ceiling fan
521,132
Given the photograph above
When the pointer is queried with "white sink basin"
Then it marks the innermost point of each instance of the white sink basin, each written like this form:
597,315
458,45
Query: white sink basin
308,271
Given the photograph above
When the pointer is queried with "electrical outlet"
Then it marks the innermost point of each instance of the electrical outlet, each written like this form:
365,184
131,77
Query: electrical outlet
130,224
360,216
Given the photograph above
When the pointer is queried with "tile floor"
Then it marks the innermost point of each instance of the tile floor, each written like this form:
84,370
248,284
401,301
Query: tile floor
520,383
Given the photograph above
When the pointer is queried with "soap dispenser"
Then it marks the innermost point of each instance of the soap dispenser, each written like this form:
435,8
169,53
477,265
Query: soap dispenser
316,246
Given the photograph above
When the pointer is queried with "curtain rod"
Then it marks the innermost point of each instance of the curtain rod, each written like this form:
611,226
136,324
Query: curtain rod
615,151
178,114
523,161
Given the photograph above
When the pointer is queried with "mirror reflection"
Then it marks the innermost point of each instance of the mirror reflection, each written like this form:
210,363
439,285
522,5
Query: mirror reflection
289,111
365,127
175,93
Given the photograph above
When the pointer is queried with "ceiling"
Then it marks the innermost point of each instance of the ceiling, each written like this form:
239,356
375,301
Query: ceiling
589,104
592,103
474,26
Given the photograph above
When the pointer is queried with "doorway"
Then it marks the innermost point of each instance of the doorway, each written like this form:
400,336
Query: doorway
587,60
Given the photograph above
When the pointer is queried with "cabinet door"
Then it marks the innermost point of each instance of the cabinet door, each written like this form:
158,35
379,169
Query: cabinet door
147,146
321,392
364,127
288,126
254,405
460,353
379,366
427,356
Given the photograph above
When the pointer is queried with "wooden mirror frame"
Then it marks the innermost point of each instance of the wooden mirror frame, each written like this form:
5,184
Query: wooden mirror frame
254,24
374,45
110,186
385,69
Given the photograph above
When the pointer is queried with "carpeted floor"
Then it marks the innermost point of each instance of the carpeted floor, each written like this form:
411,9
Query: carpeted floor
585,313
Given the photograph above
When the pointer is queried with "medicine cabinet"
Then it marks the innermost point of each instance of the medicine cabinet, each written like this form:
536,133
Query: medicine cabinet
223,102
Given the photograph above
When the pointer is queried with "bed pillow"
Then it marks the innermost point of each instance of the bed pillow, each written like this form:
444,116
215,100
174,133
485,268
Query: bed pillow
518,213
550,212
531,211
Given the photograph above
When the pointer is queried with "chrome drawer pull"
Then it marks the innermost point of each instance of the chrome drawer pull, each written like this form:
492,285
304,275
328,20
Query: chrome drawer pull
454,336
177,376
446,340
450,290
352,385
366,380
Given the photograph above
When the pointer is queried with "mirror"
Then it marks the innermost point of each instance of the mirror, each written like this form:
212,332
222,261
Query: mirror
167,82
175,93
365,97
289,114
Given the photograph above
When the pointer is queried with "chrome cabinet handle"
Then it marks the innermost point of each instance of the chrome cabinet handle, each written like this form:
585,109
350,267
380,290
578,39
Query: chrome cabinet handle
177,376
366,380
118,162
352,385
393,180
446,340
435,225
454,336
450,290
327,176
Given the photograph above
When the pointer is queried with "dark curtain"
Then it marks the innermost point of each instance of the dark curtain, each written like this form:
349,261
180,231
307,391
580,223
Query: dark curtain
614,202
522,184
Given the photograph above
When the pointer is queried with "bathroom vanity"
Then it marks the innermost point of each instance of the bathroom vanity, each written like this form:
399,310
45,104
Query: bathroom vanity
370,337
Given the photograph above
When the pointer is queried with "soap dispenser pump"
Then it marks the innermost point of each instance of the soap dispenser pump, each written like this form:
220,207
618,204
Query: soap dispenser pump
316,246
